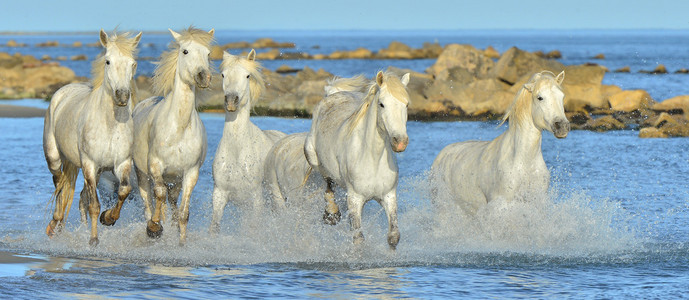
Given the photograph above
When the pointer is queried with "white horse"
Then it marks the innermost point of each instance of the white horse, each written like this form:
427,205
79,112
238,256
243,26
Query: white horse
169,137
352,142
238,163
90,127
510,166
287,172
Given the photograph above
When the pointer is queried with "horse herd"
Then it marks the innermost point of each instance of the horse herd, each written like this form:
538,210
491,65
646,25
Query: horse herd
355,132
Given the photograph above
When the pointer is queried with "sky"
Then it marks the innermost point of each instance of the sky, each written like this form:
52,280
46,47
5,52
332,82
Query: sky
154,15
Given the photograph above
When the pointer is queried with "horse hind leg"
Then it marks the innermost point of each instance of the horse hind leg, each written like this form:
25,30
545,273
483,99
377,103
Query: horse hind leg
332,211
64,181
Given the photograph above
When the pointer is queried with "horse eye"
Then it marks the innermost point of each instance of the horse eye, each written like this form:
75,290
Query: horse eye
540,98
185,52
107,62
223,75
247,76
381,105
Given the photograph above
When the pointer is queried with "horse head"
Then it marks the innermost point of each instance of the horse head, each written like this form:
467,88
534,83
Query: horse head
392,103
118,65
242,81
193,63
547,98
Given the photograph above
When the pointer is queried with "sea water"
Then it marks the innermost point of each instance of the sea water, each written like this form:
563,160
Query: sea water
614,223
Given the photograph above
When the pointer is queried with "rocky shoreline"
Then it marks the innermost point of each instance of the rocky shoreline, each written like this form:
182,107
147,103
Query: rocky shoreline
464,83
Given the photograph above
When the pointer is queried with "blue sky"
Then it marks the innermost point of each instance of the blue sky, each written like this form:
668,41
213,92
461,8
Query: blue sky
91,15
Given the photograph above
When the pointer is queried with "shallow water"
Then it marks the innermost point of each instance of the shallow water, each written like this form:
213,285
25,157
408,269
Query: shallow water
613,225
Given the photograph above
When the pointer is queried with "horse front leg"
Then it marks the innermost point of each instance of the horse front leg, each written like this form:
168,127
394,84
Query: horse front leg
153,227
332,211
355,204
110,216
220,199
173,192
389,203
91,181
188,184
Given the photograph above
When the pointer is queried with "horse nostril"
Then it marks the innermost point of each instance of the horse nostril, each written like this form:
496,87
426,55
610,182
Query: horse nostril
236,98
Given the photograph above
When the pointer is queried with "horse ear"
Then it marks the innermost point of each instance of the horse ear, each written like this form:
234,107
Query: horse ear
175,35
405,79
560,77
103,38
137,39
252,55
211,32
529,86
379,78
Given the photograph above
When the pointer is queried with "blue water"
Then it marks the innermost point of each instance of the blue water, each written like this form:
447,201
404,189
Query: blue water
613,226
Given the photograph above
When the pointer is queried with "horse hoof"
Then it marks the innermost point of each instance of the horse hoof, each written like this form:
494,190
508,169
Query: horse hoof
358,238
331,219
154,230
52,228
93,242
105,220
393,240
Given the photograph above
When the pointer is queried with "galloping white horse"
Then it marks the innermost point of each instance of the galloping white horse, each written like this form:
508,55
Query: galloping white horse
238,163
352,142
511,165
169,137
286,170
90,127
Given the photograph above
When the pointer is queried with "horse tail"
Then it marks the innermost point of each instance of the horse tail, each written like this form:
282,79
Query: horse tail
353,84
64,187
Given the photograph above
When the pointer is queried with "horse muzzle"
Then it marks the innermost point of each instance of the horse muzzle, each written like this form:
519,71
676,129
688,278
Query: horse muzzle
231,102
399,144
203,79
560,129
122,97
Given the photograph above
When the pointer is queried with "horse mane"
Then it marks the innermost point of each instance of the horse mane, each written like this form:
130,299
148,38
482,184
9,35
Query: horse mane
124,43
339,84
257,84
520,108
390,82
164,74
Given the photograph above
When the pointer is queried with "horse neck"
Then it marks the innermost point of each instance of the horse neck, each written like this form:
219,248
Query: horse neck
238,121
367,131
181,102
524,138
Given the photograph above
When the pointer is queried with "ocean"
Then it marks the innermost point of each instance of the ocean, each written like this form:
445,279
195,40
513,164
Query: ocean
614,224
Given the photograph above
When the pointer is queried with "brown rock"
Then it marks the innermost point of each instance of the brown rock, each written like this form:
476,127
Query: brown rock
604,123
682,71
599,56
216,53
490,52
77,44
578,117
516,63
625,69
79,57
582,87
462,56
677,104
236,45
553,54
628,101
283,69
48,44
652,132
476,98
659,121
272,54
395,50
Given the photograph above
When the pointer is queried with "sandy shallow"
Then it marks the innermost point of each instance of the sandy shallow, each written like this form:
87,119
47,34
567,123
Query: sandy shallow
16,111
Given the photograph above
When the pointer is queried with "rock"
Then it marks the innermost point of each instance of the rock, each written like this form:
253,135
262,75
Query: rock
677,104
61,58
48,44
625,69
360,53
659,121
14,44
79,57
652,132
628,101
39,81
77,44
236,45
660,69
46,57
283,69
395,50
490,52
216,52
604,123
682,71
269,43
431,50
599,56
578,117
480,97
553,54
272,54
516,63
463,56
582,87
310,92
417,86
